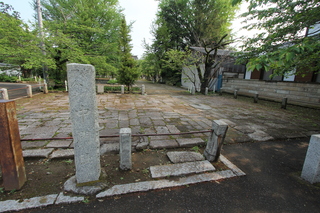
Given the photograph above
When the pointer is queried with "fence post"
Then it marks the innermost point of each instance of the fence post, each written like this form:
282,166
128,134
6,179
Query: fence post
206,91
5,95
122,89
284,103
215,141
45,88
193,90
256,98
125,149
29,91
143,89
11,158
235,94
311,166
66,85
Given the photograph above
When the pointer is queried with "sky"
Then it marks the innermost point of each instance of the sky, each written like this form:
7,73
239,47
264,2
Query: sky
141,12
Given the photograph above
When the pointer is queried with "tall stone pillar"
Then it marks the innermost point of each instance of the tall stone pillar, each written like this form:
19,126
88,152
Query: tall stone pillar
84,118
311,166
216,139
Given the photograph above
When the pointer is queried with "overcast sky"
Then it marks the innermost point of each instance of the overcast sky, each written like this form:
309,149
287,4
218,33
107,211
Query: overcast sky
142,12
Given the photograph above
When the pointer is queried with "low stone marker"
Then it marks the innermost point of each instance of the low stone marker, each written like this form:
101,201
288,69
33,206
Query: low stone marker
100,88
11,158
143,89
84,118
29,91
122,89
256,97
45,88
311,166
125,149
284,103
215,141
206,91
5,95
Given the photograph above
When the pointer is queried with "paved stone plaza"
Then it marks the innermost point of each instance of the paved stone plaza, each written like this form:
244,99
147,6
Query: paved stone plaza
164,109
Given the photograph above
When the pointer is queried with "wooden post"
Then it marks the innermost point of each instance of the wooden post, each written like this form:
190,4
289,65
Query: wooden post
11,158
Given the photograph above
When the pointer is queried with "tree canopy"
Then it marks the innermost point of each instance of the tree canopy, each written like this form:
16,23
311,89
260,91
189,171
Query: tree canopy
128,72
282,45
18,44
184,23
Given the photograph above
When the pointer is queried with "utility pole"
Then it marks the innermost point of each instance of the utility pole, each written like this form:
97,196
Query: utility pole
40,24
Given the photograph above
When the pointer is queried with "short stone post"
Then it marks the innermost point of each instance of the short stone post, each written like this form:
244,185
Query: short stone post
11,158
193,90
125,149
235,94
19,78
143,89
256,98
45,88
5,95
215,141
29,91
206,91
284,103
66,85
122,89
84,118
100,88
311,166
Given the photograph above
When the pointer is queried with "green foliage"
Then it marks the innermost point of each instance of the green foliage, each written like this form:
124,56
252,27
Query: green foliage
18,44
5,78
128,72
112,81
82,32
282,45
183,23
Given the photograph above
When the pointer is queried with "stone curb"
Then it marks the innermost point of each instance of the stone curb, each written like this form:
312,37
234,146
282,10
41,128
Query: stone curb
35,202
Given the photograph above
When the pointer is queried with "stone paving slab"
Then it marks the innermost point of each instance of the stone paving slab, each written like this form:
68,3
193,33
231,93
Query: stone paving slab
63,153
59,144
35,202
160,144
33,144
41,153
109,148
184,156
190,142
160,184
231,166
65,199
181,169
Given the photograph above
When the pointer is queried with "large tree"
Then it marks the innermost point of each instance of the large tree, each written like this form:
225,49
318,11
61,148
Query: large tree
83,32
128,72
282,45
183,23
18,44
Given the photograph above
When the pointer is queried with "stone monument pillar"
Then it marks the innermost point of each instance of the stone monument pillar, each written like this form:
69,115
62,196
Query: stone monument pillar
84,118
215,141
311,166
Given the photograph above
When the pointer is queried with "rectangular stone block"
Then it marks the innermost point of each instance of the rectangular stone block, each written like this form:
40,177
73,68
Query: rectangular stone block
84,118
215,141
181,169
125,149
311,166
